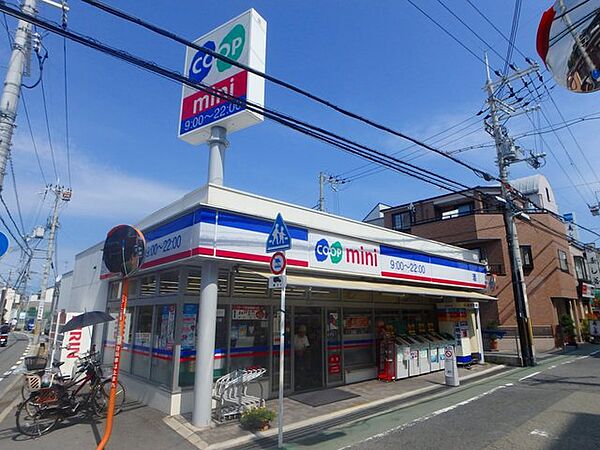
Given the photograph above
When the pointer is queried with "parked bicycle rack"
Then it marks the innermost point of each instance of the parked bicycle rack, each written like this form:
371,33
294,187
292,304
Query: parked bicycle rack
231,393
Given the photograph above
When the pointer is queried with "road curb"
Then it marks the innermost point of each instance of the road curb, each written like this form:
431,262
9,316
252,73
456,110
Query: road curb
187,432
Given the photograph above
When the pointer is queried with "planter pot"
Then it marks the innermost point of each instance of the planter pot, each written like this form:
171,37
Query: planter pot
265,426
494,345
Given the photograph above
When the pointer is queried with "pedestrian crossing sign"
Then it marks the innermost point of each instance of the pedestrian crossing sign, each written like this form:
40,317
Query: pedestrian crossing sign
279,238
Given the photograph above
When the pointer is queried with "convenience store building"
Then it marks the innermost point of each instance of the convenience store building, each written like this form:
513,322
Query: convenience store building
206,270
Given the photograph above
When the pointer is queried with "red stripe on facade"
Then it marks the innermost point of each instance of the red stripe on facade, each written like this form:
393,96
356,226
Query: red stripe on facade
435,280
203,251
259,258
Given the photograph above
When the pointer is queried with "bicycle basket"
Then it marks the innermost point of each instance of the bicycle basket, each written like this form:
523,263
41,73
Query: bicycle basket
47,395
35,362
34,382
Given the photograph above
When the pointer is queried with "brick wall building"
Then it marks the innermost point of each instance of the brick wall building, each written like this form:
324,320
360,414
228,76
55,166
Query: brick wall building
477,223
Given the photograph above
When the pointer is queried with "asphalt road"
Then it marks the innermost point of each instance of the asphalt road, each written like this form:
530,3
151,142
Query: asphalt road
555,405
11,357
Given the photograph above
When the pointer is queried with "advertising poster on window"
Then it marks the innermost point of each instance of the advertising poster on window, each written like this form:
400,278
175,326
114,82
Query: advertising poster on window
167,327
188,331
249,312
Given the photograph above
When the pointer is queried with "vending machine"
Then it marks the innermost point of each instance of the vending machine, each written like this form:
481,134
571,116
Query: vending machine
402,358
413,353
454,321
422,346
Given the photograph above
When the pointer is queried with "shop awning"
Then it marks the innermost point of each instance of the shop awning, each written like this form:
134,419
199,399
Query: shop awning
336,283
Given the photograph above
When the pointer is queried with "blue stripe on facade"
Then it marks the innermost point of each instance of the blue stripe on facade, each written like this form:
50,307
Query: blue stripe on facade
171,227
464,359
206,216
259,225
421,257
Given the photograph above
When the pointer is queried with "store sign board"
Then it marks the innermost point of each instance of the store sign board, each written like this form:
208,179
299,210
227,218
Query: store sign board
592,260
587,290
243,40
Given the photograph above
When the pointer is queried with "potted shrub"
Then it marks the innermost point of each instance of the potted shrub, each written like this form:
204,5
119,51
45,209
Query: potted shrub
492,327
257,419
568,329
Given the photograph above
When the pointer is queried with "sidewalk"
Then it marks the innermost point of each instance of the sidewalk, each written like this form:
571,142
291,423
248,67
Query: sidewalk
371,396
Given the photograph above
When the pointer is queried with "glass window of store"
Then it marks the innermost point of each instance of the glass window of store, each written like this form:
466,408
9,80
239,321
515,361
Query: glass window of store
114,290
162,347
126,354
187,367
108,343
334,346
169,283
287,368
358,338
249,339
141,342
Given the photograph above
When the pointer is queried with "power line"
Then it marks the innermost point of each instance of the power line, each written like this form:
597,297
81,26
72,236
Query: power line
66,91
176,38
48,129
14,182
35,149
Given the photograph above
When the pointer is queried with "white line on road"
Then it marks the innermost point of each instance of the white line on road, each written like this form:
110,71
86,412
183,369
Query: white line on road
1,379
552,367
6,411
7,373
541,433
428,416
583,357
530,375
595,353
14,367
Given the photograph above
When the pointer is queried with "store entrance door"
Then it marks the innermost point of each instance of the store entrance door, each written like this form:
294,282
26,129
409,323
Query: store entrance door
308,348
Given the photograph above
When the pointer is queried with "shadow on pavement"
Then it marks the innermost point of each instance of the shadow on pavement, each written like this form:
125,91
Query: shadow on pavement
581,433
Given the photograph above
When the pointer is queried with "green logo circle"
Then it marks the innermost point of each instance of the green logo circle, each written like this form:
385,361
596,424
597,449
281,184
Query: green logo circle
335,252
232,46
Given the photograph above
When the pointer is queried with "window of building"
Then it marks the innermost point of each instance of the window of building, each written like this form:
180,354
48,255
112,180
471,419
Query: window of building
563,261
148,286
358,338
461,210
142,340
114,290
401,221
526,257
580,269
249,338
169,283
162,347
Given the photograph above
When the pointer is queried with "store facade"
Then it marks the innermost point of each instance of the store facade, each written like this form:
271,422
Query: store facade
346,281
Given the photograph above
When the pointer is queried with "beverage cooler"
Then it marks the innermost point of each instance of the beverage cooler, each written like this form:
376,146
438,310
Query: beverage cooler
413,352
402,358
436,351
422,346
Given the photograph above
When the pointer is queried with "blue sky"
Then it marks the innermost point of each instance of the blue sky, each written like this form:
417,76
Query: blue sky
381,59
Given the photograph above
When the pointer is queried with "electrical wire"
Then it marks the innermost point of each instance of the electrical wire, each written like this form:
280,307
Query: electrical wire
187,43
293,123
48,130
18,203
66,92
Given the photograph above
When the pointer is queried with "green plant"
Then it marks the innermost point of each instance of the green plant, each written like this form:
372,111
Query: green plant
585,329
492,325
567,324
256,418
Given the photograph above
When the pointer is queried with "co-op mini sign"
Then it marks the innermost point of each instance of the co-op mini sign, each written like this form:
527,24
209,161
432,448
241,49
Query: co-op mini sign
243,40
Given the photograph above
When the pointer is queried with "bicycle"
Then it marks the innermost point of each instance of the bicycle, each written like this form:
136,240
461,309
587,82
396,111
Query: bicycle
48,405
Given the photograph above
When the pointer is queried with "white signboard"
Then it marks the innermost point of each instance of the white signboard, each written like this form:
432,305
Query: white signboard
244,40
73,344
592,260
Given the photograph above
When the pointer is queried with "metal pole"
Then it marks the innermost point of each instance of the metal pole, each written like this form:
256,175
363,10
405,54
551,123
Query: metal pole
518,282
116,364
321,194
11,92
48,264
217,144
281,365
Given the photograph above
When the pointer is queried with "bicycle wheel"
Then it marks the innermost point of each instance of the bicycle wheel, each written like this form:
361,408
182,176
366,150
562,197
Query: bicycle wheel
34,419
25,390
103,394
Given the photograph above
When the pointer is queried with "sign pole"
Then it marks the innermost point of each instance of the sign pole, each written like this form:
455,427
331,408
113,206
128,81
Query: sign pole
116,363
281,365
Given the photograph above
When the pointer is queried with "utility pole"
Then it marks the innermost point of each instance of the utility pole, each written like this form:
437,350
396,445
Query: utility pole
60,194
9,101
506,155
333,181
321,191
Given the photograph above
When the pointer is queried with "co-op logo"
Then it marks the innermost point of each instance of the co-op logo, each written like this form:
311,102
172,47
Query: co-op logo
334,251
231,46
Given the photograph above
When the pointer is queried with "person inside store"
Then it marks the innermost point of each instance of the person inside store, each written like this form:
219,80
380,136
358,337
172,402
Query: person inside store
301,352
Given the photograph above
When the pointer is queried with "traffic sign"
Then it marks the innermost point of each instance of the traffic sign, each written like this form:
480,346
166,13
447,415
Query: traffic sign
3,243
278,263
448,353
278,282
279,238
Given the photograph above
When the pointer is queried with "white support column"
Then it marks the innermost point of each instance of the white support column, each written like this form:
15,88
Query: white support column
216,159
205,345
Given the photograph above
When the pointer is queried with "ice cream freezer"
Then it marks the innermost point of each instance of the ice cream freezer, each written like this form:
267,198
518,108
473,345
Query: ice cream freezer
402,358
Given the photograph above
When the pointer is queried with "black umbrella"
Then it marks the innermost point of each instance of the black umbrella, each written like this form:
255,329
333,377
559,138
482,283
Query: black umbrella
86,320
